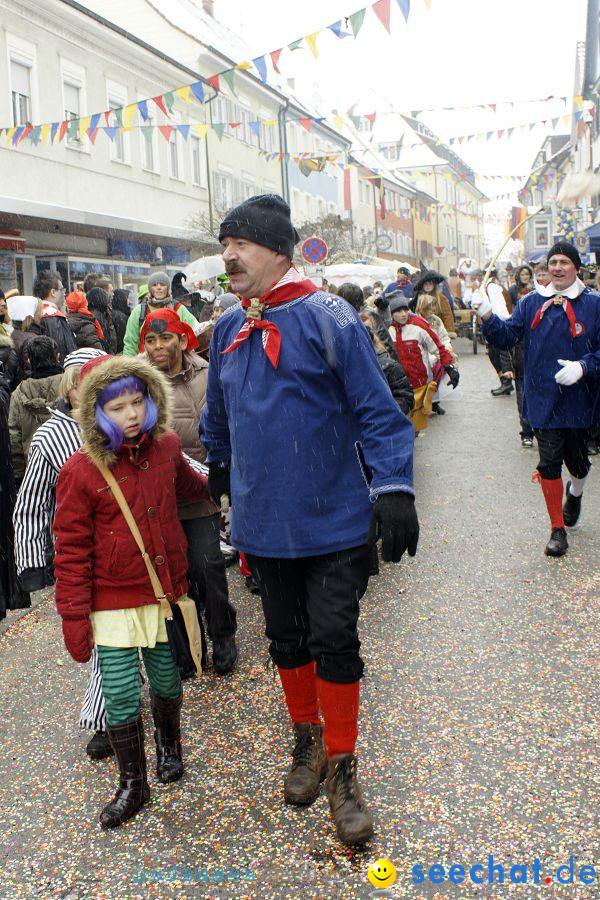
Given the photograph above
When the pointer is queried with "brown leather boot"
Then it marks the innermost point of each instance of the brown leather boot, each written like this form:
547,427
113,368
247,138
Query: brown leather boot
309,766
167,736
133,791
353,821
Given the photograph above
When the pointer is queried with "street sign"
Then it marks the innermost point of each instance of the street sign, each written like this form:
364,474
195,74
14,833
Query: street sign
582,242
314,250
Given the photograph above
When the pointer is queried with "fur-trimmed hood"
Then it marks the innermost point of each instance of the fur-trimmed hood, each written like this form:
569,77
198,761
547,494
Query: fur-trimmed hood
5,340
97,379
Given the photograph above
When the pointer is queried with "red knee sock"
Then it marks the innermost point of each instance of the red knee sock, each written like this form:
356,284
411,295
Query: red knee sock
339,705
244,569
553,495
300,689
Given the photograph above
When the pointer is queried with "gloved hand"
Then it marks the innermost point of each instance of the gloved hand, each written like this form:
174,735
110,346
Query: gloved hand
79,638
480,302
219,481
394,519
453,375
570,373
381,302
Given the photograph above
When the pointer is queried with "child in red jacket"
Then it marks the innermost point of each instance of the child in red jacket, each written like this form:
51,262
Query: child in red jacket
103,592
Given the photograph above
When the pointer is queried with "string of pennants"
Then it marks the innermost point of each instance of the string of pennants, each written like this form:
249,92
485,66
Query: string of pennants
90,126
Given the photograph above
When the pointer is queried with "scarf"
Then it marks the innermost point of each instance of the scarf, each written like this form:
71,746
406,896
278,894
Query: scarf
290,287
572,292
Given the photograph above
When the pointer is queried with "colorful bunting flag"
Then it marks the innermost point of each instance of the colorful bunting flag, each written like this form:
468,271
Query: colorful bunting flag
261,66
169,100
306,123
382,10
160,103
275,54
356,21
229,76
338,30
311,40
197,89
184,93
404,8
166,131
214,80
219,127
295,45
201,130
184,131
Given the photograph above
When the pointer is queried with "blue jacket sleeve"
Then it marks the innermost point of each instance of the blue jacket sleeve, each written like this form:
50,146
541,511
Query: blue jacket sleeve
591,361
214,427
504,333
387,436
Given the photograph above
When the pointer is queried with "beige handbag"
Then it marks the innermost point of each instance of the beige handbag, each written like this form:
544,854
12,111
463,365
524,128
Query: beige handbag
186,605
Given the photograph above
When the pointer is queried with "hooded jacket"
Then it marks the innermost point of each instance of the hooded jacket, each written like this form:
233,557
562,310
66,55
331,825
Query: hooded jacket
28,410
97,563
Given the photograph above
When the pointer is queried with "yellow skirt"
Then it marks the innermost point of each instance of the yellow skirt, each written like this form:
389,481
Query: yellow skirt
139,626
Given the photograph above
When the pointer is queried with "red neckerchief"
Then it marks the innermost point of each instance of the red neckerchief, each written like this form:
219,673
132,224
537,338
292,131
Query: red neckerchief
290,287
559,301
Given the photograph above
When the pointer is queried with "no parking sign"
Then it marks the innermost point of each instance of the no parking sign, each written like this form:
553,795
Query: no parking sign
314,250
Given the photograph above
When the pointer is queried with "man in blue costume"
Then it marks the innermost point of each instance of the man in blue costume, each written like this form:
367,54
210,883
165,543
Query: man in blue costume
559,325
304,435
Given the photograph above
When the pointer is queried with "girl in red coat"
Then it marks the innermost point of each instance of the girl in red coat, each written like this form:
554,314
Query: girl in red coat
103,592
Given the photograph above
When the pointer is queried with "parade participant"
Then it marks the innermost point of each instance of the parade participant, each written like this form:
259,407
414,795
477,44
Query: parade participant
25,313
402,283
103,592
523,285
432,282
84,325
52,445
30,400
169,344
501,360
560,328
159,297
49,288
294,389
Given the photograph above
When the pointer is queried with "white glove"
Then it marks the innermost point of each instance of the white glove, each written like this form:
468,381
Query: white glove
480,303
570,373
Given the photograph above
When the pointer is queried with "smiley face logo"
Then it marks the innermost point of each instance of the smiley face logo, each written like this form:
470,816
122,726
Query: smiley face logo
382,873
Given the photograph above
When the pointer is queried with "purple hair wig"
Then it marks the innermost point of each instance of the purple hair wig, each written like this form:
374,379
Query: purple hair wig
127,385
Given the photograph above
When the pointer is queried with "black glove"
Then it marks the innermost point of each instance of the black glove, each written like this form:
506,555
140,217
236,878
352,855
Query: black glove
219,481
35,579
381,302
394,519
453,375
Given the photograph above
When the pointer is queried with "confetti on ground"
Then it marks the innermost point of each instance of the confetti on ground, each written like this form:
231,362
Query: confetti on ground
479,728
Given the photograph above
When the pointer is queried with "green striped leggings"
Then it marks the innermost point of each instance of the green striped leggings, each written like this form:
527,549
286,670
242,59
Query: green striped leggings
120,670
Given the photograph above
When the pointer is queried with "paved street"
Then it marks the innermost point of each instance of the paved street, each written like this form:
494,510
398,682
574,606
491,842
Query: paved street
479,730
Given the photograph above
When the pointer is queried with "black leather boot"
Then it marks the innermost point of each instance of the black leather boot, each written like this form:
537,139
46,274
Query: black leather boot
225,654
167,736
309,766
353,820
558,544
571,508
133,791
438,409
100,746
506,387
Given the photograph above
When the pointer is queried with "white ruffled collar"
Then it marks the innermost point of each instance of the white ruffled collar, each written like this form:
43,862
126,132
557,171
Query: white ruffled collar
572,292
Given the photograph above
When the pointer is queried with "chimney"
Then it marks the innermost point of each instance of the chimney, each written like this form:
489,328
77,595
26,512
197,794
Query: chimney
209,7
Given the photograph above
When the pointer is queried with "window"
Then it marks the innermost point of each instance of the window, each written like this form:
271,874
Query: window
20,84
117,99
198,149
223,189
174,165
541,235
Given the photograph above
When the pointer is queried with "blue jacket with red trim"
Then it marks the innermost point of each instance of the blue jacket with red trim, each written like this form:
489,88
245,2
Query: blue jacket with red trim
547,404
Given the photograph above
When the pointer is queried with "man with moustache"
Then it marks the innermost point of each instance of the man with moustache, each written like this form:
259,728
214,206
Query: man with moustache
559,325
295,399
169,344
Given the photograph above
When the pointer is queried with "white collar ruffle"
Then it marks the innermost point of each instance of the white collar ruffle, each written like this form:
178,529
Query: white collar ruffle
571,293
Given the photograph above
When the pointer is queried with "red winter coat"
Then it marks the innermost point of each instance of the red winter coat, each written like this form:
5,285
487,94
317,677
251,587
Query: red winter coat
97,562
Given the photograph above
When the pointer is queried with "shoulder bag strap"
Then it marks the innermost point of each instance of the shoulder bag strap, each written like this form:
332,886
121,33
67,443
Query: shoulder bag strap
154,579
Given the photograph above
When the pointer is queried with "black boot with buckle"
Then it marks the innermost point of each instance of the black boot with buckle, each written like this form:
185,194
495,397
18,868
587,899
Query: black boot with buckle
133,791
353,821
167,736
309,766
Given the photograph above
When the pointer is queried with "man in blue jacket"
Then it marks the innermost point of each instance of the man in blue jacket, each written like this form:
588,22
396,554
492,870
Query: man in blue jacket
304,435
559,325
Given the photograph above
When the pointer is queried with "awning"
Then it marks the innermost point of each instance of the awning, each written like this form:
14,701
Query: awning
594,233
535,256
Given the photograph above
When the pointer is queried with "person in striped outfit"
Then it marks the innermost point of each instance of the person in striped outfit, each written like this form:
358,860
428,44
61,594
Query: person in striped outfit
52,445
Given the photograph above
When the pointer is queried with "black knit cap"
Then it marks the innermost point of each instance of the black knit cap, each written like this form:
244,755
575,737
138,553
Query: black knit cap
265,219
566,249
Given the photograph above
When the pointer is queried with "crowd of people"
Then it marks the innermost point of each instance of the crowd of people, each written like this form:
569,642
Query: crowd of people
127,434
